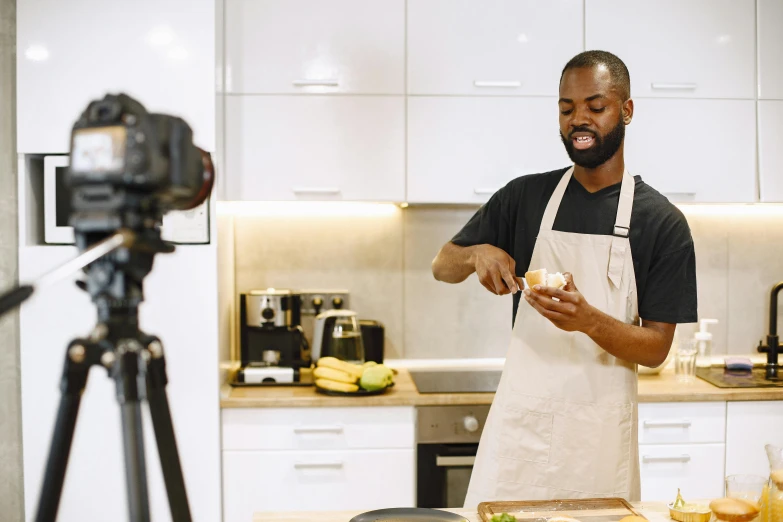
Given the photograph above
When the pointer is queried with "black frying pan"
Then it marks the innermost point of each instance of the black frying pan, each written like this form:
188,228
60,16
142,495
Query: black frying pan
408,515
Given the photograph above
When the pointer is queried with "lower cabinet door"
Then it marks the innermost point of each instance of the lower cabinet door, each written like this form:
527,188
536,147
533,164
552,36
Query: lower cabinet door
264,481
697,469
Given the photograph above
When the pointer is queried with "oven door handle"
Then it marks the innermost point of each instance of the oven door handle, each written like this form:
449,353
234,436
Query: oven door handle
453,462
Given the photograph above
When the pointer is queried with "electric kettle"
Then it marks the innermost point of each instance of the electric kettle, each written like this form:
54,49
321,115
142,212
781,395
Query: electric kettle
337,334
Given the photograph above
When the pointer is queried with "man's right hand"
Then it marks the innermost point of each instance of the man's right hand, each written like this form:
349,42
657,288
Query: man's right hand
495,269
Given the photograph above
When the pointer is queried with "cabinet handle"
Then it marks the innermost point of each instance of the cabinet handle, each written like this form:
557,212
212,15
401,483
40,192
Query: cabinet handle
667,424
452,462
319,429
678,458
315,190
507,84
318,465
484,191
316,83
674,86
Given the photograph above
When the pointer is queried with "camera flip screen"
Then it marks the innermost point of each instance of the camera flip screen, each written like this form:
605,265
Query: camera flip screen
99,150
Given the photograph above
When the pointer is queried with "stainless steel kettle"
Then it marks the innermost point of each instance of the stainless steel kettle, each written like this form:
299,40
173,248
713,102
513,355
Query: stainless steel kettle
337,334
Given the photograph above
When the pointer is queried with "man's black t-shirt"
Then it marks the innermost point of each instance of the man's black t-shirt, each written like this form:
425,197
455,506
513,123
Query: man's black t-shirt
661,244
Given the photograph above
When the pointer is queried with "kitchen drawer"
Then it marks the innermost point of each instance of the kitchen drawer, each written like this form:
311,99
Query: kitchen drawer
697,469
315,481
687,422
318,428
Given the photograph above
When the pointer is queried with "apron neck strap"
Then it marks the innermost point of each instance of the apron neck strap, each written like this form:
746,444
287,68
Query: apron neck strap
554,202
622,221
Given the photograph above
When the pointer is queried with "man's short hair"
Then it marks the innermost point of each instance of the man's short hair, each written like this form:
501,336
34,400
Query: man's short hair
617,69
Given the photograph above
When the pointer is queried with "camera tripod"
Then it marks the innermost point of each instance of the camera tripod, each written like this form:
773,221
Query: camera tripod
135,361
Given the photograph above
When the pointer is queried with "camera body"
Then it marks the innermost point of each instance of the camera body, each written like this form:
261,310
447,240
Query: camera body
128,167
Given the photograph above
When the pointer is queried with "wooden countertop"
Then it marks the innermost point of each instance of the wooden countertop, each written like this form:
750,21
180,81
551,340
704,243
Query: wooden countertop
652,388
653,511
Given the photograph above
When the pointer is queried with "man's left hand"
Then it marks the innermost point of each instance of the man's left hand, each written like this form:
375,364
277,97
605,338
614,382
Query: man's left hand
570,312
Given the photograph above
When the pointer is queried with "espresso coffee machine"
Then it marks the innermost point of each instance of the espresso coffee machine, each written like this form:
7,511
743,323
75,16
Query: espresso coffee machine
273,347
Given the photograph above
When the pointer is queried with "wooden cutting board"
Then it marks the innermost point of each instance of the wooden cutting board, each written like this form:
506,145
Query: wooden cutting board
584,510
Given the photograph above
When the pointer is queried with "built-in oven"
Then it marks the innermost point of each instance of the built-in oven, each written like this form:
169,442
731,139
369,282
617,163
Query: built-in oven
446,445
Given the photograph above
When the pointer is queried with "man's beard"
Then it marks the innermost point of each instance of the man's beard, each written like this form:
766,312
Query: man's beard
602,150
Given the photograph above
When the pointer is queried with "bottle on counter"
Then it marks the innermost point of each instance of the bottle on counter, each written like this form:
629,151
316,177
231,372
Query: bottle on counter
703,340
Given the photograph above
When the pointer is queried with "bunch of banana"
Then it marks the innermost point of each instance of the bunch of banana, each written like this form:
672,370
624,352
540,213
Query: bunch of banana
333,374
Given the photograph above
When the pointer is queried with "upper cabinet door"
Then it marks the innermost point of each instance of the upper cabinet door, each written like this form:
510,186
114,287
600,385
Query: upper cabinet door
70,53
315,46
499,47
770,42
679,48
688,150
770,152
463,149
337,148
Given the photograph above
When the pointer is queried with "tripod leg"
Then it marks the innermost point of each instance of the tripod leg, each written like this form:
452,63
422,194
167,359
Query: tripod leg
164,434
127,378
80,356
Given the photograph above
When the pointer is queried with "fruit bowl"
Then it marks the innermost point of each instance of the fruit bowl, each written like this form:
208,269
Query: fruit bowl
359,393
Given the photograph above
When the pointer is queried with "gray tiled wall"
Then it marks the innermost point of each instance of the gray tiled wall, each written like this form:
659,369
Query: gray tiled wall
385,262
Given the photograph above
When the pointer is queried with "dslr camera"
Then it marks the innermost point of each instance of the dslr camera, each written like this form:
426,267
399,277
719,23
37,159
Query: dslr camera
128,167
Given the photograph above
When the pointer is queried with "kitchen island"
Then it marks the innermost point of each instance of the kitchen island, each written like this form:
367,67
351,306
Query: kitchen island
653,511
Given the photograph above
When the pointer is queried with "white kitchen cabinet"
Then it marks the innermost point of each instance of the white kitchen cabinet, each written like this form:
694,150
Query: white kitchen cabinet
750,426
770,49
303,459
487,48
696,469
317,428
675,48
315,147
682,445
770,153
682,423
256,481
463,149
306,46
686,150
70,53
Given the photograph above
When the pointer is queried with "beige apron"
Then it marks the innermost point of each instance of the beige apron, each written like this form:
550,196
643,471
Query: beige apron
563,423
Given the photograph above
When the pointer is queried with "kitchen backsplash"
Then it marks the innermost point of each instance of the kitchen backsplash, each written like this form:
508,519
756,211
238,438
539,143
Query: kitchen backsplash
384,260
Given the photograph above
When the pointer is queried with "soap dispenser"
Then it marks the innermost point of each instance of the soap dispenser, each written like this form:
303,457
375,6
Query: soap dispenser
704,343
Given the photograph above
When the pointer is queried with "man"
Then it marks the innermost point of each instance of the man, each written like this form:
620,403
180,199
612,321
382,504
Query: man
564,420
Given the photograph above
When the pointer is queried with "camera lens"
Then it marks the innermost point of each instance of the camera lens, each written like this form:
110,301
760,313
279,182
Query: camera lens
268,314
